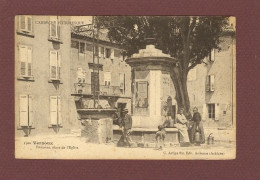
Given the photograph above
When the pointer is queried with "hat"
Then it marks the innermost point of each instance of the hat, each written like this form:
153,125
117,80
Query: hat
125,110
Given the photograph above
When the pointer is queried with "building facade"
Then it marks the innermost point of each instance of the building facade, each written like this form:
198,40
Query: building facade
104,81
54,68
211,85
42,63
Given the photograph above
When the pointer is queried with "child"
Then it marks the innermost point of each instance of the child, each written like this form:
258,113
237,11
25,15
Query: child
160,136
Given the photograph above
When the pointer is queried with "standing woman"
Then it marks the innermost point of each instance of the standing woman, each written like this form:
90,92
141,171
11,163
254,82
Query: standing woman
181,125
197,126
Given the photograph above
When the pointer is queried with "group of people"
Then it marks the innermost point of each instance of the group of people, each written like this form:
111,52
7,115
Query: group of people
190,128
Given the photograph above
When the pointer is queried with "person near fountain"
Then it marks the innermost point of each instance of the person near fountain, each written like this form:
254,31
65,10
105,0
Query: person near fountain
197,126
181,125
159,137
126,126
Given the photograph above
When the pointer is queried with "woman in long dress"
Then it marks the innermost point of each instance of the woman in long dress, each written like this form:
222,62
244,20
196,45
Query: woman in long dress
181,125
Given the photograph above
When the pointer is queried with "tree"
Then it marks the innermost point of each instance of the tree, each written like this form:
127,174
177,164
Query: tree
188,39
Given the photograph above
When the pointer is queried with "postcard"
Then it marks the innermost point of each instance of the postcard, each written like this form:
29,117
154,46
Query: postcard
125,87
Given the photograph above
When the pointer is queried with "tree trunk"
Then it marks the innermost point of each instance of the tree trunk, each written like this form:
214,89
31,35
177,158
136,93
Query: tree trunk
180,84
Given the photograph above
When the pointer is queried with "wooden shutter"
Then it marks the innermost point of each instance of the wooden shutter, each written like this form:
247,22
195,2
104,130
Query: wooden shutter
53,26
22,23
112,54
58,28
208,83
59,66
216,111
103,52
212,82
30,121
23,119
29,61
204,112
29,23
53,110
53,64
59,111
23,53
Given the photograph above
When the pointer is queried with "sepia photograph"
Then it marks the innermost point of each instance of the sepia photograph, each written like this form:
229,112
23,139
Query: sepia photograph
125,87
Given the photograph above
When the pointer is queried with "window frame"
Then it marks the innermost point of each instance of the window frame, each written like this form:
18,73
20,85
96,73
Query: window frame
25,30
27,75
28,111
57,36
58,105
211,111
57,66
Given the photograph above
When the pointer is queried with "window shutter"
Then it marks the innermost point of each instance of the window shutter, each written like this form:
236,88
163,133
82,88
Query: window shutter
204,112
103,52
212,57
22,23
23,52
112,54
53,26
207,83
216,111
59,111
29,61
212,82
23,110
59,66
53,64
30,111
58,28
53,110
29,23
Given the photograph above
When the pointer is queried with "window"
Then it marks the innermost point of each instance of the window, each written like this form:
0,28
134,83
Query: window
96,50
107,78
26,111
210,84
75,44
55,65
108,53
102,50
141,94
82,47
25,24
54,27
211,111
55,110
89,47
117,53
25,59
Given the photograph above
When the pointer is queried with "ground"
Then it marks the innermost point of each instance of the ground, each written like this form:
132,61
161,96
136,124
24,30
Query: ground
67,146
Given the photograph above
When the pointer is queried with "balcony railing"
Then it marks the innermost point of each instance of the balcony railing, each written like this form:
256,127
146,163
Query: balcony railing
84,88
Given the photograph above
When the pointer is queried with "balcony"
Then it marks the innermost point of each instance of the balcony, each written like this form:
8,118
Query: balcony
102,90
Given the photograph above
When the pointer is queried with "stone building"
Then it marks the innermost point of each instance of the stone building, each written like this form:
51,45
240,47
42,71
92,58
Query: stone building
211,85
54,67
42,65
